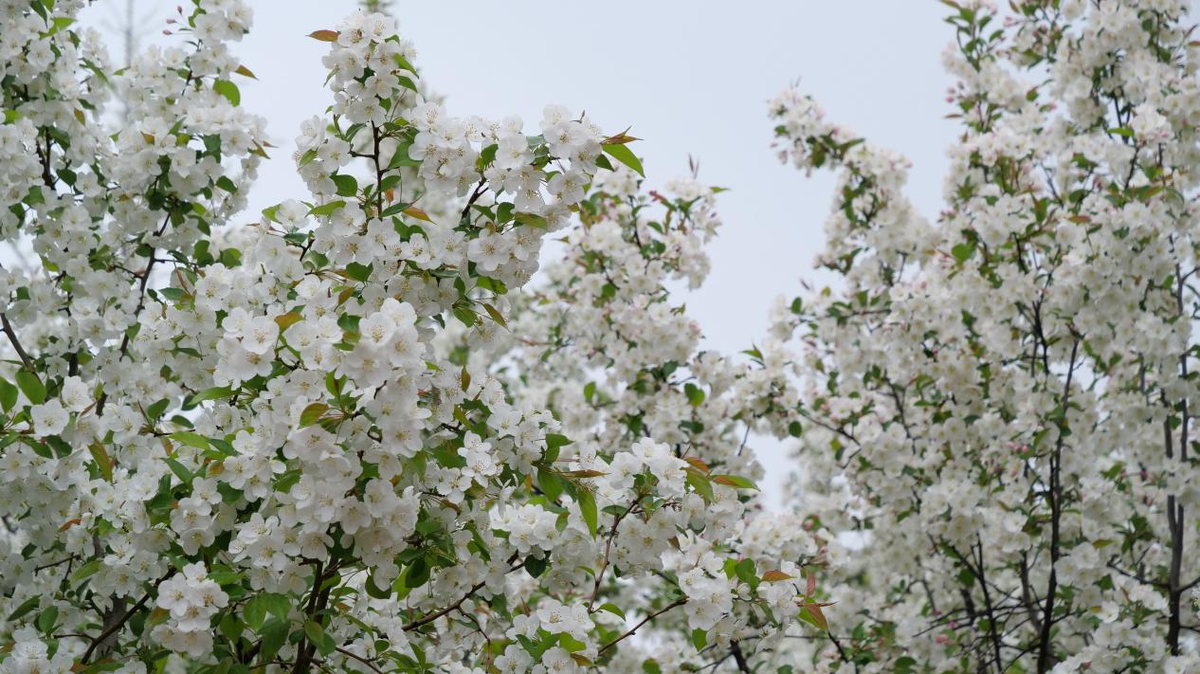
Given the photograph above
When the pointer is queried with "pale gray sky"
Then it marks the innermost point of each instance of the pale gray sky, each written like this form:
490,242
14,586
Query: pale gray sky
689,77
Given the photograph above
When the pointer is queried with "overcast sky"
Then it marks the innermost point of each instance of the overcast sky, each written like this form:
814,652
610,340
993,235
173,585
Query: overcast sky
689,77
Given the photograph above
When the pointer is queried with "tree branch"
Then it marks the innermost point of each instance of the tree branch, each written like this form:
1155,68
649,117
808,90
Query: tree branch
16,344
678,602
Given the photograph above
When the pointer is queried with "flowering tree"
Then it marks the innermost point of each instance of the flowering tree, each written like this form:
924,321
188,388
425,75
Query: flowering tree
329,439
1002,406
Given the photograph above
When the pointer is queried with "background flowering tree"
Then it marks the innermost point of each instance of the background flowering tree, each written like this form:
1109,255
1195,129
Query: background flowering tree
315,441
1002,405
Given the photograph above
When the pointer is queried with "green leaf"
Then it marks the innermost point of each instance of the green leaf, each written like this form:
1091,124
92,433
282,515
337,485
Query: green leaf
274,635
486,156
207,394
316,634
8,395
701,484
103,461
745,572
535,566
48,619
587,508
699,638
327,209
347,186
465,315
556,440
417,573
60,447
40,448
155,411
229,90
531,220
623,154
174,294
613,609
255,612
277,604
403,63
359,272
88,569
31,386
695,394
550,484
231,627
180,470
395,208
496,315
962,252
312,414
285,482
231,257
58,23
26,607
966,577
190,439
570,643
388,183
401,158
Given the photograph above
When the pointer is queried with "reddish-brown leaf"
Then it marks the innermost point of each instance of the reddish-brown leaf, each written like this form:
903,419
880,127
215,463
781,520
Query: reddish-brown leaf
324,35
414,212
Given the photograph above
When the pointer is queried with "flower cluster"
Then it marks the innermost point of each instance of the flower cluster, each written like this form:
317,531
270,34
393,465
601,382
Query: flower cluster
661,427
332,438
191,600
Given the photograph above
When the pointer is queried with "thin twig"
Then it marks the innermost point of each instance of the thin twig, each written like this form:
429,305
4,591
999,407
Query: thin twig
361,659
678,602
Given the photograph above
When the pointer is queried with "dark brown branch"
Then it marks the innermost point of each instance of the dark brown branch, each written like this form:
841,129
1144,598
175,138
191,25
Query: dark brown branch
841,651
989,608
738,657
1045,647
16,344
